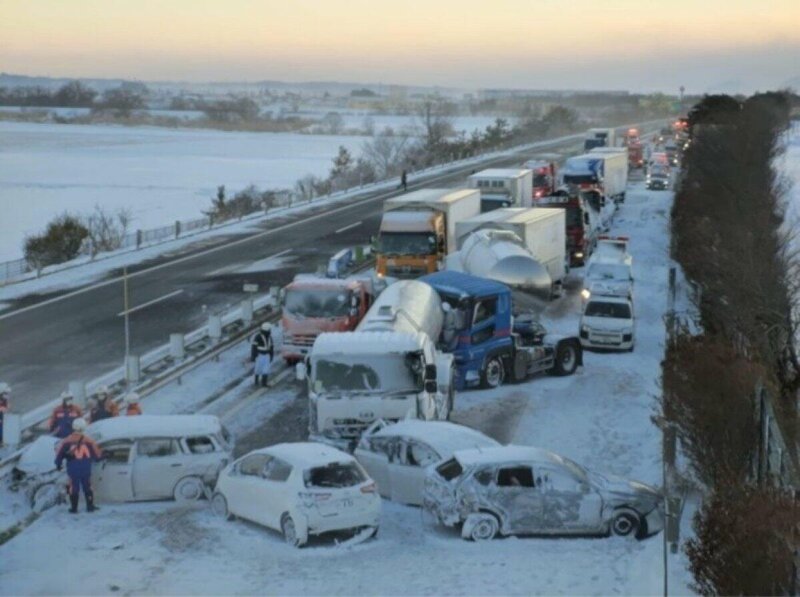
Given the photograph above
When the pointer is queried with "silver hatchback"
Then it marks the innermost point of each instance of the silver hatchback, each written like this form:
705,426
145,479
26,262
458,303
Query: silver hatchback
517,490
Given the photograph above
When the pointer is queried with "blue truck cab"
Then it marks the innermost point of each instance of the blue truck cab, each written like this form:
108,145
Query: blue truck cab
489,343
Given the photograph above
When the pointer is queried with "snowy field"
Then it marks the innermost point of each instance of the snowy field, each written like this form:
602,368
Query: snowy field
601,417
162,175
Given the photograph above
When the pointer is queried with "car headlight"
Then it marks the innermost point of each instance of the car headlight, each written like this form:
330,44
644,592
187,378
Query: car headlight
585,329
585,294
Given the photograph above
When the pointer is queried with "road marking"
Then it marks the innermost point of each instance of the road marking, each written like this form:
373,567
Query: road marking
384,195
234,268
148,303
353,225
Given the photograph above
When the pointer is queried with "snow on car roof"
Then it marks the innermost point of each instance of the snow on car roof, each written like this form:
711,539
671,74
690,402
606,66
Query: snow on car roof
444,437
502,454
367,342
153,426
306,455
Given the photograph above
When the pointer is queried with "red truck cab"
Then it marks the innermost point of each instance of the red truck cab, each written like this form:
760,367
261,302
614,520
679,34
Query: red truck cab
312,305
544,178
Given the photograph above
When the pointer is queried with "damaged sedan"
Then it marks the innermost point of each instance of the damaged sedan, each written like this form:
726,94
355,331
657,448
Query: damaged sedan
518,490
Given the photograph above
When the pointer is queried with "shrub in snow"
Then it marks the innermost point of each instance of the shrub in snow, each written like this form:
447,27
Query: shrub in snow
61,242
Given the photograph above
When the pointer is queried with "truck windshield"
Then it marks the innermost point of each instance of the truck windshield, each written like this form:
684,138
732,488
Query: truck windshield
608,271
387,373
580,178
610,310
317,303
541,180
407,243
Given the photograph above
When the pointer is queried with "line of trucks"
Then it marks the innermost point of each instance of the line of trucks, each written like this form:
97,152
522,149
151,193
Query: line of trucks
463,273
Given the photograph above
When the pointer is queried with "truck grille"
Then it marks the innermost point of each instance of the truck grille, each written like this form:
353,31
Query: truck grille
605,337
405,271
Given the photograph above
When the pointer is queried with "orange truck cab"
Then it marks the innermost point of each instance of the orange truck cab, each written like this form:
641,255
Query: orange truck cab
312,305
418,230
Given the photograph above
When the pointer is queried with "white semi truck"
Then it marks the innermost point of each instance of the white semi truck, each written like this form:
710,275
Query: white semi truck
606,171
503,187
388,368
542,232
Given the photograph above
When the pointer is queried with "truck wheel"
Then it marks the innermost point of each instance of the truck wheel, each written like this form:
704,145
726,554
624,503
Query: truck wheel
567,357
494,372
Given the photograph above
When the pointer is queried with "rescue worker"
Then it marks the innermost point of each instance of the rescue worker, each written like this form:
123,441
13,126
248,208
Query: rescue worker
404,180
105,408
63,415
5,405
262,353
132,407
79,451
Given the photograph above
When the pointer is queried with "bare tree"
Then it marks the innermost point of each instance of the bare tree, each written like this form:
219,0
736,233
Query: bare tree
436,117
385,152
107,230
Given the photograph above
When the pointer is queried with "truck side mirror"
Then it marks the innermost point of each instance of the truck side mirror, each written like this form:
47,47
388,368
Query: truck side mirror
431,387
430,372
282,296
586,218
300,371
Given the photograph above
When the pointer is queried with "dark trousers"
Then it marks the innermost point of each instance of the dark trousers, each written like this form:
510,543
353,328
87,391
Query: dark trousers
76,483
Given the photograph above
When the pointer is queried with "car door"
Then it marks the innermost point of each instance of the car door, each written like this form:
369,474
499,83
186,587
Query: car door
375,454
243,486
158,464
407,472
570,504
274,492
112,478
516,495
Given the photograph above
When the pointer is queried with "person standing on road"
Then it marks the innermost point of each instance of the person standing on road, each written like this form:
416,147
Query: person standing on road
5,405
63,415
79,451
132,407
404,180
105,408
262,352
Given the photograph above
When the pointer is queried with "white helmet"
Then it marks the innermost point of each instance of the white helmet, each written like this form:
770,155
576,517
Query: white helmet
5,389
266,326
132,398
79,424
66,396
102,390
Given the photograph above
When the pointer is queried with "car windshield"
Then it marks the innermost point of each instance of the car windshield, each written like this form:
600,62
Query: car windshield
387,373
608,271
407,243
607,309
335,474
317,303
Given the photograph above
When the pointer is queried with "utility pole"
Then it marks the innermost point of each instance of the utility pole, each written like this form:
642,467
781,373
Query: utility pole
682,89
127,320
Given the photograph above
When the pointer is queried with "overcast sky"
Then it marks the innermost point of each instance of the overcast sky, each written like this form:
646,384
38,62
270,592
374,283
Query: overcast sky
641,45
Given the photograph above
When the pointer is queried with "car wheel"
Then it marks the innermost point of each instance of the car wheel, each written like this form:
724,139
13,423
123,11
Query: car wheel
625,524
188,489
493,373
46,496
480,526
566,360
289,531
219,506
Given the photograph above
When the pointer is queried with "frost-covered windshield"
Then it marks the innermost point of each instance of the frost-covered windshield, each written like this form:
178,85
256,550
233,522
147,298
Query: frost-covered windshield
336,474
608,271
611,310
388,373
317,303
407,243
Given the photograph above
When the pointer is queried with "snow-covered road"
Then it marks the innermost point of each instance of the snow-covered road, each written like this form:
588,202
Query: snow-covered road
601,417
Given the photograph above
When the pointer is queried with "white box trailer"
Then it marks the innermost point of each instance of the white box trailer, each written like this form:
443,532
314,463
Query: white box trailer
600,137
606,169
542,229
455,204
503,187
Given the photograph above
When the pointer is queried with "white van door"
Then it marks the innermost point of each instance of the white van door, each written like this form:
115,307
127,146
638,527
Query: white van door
158,464
112,478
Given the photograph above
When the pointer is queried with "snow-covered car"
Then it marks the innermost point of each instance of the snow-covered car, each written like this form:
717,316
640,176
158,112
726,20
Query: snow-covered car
396,456
519,490
608,322
148,457
299,489
604,278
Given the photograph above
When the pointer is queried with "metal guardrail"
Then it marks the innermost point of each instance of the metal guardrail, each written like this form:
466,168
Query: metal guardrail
19,269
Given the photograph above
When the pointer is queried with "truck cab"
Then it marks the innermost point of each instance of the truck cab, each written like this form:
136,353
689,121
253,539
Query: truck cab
503,187
312,305
544,178
489,343
584,209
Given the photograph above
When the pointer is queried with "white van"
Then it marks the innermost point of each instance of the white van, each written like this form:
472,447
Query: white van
155,457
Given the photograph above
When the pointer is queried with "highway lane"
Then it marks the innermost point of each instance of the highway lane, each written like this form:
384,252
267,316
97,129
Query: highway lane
46,341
